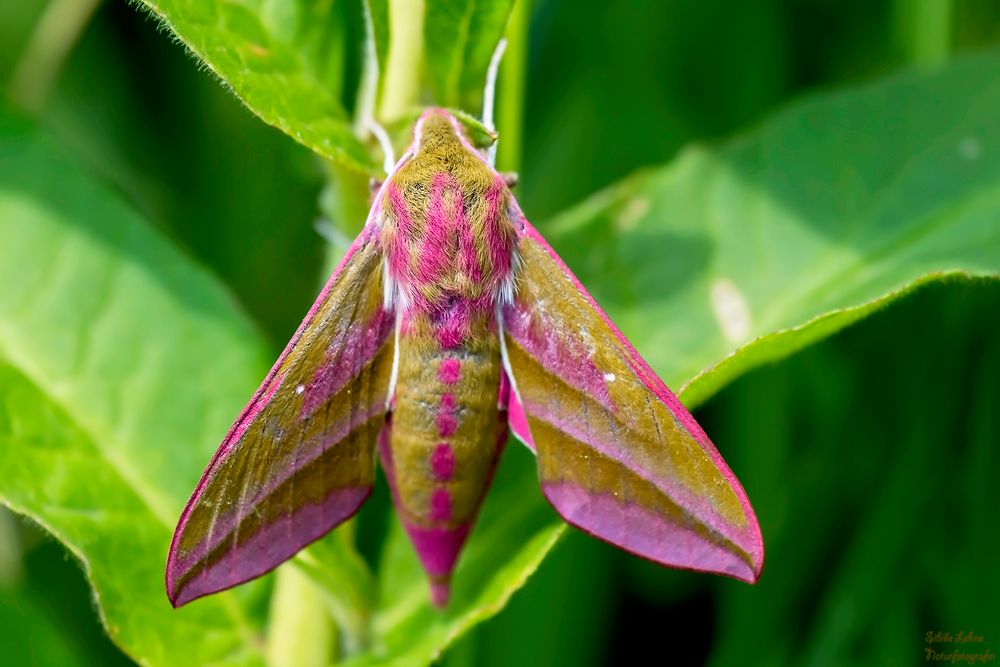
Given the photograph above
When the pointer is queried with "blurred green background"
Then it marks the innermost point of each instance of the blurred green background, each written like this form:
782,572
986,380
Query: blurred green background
871,458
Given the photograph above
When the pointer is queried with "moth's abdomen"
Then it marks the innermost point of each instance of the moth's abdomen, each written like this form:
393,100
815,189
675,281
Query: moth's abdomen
445,437
445,425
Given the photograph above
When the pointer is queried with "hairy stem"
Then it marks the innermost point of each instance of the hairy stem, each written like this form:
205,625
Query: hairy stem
346,584
300,632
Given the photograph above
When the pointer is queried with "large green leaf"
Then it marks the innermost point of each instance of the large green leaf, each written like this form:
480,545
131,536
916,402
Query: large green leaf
284,60
121,364
726,259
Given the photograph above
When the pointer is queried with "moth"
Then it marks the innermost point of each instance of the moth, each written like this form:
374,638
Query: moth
448,323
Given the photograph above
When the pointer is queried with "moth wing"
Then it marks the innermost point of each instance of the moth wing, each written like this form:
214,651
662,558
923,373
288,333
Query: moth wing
300,459
618,455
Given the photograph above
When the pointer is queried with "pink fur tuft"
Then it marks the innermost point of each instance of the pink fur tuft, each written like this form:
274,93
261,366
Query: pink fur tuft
440,505
443,462
449,371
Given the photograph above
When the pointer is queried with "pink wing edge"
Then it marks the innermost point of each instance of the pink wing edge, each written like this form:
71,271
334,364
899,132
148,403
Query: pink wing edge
260,398
518,422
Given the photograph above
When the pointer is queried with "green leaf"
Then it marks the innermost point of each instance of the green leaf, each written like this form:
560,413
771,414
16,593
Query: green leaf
121,365
284,60
730,258
459,39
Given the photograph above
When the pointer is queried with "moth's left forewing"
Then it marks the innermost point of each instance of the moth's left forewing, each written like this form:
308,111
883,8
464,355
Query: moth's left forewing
618,455
300,459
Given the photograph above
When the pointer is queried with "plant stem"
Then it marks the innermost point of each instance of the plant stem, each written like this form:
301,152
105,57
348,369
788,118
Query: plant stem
347,586
510,117
401,87
300,632
923,30
57,31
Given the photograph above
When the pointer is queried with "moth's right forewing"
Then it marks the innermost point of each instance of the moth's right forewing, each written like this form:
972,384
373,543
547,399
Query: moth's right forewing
618,455
300,459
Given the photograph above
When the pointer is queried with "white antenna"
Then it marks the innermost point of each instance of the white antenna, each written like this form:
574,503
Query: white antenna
489,96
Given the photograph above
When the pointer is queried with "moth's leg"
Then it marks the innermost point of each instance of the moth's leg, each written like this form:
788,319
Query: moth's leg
375,183
510,178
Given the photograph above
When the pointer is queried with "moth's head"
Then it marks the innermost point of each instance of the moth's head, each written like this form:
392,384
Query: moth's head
437,129
440,129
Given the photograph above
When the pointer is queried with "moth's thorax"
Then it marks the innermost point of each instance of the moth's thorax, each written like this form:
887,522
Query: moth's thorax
447,232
